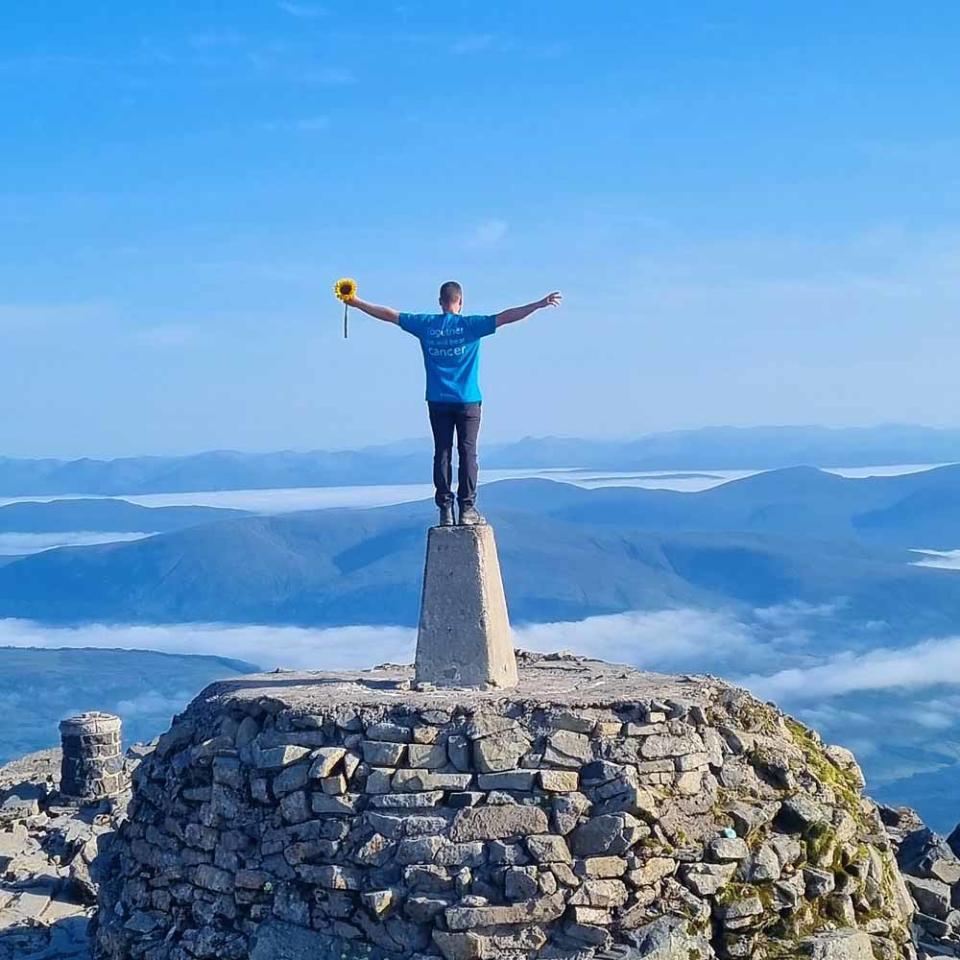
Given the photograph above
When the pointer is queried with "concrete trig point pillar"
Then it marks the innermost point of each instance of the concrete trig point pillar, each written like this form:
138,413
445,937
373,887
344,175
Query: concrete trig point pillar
464,638
92,765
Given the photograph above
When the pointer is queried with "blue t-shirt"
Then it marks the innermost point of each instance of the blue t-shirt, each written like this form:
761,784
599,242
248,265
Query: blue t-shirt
451,352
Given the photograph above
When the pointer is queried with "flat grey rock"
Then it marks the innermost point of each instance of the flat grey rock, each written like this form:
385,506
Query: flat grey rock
666,939
276,940
839,945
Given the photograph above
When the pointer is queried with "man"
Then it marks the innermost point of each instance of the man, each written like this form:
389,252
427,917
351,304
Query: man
451,355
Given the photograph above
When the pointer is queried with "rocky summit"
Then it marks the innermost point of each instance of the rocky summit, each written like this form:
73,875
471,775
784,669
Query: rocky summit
51,855
592,811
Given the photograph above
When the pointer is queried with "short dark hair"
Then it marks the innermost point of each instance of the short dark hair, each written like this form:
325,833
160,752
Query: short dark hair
449,292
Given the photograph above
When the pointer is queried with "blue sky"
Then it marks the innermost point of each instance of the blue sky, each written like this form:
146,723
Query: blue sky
753,211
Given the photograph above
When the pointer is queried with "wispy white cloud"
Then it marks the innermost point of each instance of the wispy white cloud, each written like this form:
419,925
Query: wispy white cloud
788,615
167,335
293,64
836,715
289,500
216,40
939,559
479,43
927,664
934,716
660,640
474,43
855,271
327,76
44,62
20,544
338,648
30,316
303,11
488,233
154,703
298,125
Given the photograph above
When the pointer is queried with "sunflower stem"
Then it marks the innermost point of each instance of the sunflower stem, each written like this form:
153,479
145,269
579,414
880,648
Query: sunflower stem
345,321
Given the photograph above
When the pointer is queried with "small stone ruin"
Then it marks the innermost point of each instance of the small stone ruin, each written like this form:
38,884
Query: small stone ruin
91,769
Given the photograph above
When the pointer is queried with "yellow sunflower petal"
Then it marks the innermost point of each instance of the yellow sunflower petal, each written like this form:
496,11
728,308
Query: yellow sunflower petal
345,288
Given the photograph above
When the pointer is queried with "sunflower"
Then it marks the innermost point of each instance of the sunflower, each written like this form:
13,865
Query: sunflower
345,289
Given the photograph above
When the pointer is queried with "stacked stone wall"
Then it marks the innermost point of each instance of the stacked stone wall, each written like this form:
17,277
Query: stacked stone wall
710,826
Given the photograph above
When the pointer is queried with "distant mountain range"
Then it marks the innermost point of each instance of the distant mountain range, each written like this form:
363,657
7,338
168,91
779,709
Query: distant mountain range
738,448
107,515
709,448
217,470
568,553
910,510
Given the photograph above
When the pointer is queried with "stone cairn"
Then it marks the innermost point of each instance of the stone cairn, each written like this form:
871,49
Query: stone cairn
464,637
592,811
92,765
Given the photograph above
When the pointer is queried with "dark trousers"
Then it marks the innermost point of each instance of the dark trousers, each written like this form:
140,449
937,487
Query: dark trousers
464,418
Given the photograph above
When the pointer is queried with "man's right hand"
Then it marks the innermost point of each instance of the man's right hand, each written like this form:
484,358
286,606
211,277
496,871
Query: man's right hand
551,300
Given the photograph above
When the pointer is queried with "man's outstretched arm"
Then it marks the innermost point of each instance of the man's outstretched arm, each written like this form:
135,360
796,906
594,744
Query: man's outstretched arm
387,314
519,313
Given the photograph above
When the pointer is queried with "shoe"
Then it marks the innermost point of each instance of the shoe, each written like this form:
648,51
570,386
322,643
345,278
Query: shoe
469,517
446,517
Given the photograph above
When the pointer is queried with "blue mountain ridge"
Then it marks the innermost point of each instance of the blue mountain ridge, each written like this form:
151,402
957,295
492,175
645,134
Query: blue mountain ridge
795,534
711,448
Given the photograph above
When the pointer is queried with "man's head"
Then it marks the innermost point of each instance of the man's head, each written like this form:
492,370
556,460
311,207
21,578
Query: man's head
451,297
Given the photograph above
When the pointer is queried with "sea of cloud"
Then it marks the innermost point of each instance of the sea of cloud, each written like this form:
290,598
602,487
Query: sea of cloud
269,647
769,651
897,707
679,640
